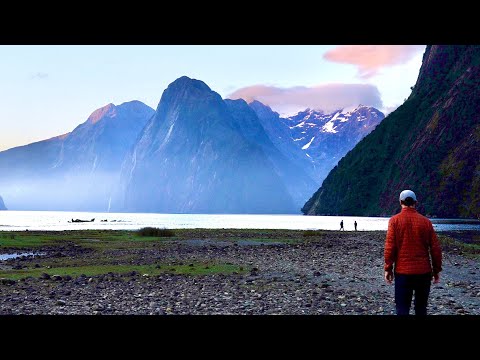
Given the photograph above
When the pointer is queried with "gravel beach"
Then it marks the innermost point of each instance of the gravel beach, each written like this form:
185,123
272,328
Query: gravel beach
330,274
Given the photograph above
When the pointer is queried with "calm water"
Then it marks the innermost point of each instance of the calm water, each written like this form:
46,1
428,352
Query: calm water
15,255
58,220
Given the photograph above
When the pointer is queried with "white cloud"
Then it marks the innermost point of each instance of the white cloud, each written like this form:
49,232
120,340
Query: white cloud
371,58
327,97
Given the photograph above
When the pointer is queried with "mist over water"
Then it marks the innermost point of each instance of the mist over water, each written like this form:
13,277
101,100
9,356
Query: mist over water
58,220
80,191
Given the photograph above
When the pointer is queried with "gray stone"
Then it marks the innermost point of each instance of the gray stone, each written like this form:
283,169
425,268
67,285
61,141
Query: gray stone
7,281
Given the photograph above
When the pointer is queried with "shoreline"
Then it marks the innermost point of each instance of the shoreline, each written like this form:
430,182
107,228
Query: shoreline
219,271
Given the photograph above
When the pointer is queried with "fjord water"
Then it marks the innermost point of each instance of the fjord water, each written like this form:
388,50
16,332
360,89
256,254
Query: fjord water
59,220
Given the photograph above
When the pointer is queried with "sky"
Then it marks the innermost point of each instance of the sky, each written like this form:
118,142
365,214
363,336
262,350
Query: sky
46,91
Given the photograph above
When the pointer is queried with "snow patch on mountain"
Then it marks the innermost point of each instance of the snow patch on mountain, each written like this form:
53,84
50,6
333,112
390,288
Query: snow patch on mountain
306,146
329,127
298,125
336,116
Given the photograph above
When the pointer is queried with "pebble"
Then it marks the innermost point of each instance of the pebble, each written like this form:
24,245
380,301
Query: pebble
285,284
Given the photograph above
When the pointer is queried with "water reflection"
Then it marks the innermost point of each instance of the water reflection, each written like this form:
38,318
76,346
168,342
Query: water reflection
58,221
15,255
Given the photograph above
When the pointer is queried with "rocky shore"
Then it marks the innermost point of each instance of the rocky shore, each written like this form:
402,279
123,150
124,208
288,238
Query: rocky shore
329,274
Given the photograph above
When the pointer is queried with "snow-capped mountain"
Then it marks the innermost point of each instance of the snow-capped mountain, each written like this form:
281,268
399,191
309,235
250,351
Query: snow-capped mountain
324,138
361,118
431,143
197,153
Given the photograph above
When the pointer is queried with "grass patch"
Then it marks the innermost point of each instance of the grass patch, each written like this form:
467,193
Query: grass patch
124,239
154,269
25,239
101,240
450,244
155,232
95,239
262,240
308,233
205,269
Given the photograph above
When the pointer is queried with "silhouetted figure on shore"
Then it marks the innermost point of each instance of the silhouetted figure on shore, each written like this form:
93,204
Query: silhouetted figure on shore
341,226
355,224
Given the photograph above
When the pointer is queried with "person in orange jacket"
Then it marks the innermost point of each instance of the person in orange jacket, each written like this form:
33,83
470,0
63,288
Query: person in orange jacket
413,256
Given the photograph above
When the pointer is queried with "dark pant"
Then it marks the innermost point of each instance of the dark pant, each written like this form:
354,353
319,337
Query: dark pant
405,286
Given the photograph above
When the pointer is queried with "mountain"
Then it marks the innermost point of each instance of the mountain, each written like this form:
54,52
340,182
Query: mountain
2,204
280,135
296,179
326,138
195,153
315,140
430,144
77,170
200,154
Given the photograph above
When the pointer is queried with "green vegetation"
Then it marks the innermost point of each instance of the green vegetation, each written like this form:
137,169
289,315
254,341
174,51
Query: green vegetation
470,249
96,252
425,145
95,239
151,270
26,239
124,239
313,233
155,232
103,251
106,240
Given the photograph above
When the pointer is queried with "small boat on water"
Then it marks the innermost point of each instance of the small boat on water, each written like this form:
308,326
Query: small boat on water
81,221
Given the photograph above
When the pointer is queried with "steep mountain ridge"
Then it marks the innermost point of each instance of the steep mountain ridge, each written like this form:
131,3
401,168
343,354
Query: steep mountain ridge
315,140
2,204
193,157
430,144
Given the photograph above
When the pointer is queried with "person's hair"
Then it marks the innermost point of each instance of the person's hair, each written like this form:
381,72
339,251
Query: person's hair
408,201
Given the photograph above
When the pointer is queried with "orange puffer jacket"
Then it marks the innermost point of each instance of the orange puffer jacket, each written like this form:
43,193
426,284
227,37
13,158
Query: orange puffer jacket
411,244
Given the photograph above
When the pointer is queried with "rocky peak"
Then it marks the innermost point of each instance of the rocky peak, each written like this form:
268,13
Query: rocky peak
135,106
106,111
261,107
186,87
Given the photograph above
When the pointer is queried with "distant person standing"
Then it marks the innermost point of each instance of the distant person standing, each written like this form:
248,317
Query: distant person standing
355,224
341,226
410,244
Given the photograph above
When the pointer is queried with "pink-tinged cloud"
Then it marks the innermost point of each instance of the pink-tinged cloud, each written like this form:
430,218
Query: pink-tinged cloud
328,97
371,58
